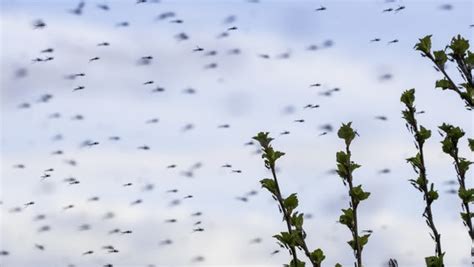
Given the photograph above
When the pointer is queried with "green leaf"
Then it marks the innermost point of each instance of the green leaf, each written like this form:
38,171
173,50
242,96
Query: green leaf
347,133
463,166
459,46
424,44
297,220
358,193
342,157
432,194
466,195
451,131
342,171
471,144
269,155
354,166
419,183
317,256
448,146
423,134
276,155
452,136
286,239
415,161
338,265
440,58
409,116
291,202
408,97
270,185
465,216
443,84
362,240
456,133
297,264
434,261
469,59
446,128
263,139
347,217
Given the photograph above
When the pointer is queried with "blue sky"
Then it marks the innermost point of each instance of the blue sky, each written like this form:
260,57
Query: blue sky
247,92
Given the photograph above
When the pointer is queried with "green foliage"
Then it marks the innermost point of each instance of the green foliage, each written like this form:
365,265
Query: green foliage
463,166
459,46
346,133
270,185
467,216
416,162
421,183
294,238
263,139
408,97
347,218
423,134
469,60
358,194
424,44
471,144
452,135
434,261
440,57
290,203
458,53
297,220
318,256
443,84
345,168
287,239
432,195
296,263
269,155
362,240
466,195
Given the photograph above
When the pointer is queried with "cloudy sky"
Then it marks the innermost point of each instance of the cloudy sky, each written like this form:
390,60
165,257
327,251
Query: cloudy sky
255,78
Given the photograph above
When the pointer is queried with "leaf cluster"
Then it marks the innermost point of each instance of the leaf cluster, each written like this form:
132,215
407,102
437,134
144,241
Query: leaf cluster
294,237
452,135
421,183
457,52
345,168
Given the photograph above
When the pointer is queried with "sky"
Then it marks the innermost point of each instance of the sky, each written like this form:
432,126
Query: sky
264,87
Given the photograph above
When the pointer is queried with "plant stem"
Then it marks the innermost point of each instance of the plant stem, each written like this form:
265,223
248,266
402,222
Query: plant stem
465,70
308,254
286,215
428,214
355,232
468,101
462,185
